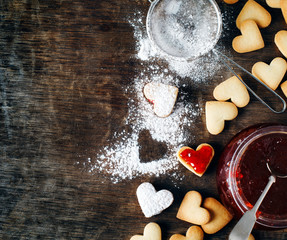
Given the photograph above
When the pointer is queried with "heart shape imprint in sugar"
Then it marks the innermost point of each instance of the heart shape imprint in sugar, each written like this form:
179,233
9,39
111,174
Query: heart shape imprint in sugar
193,233
281,41
150,149
151,201
250,40
152,231
216,113
162,96
271,74
196,161
233,89
254,11
191,211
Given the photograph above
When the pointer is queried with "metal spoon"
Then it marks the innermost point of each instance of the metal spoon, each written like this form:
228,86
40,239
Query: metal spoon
243,228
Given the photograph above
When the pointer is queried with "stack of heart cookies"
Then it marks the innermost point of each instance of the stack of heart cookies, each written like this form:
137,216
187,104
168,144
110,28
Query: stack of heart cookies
217,112
208,216
211,216
251,18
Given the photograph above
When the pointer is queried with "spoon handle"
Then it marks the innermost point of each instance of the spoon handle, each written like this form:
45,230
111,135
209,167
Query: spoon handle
243,228
272,180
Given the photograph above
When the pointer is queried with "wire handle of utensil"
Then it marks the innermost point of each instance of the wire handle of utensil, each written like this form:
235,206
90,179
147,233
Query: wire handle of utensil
225,59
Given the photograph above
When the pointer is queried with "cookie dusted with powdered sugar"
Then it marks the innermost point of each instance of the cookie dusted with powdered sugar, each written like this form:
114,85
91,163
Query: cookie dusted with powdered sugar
162,96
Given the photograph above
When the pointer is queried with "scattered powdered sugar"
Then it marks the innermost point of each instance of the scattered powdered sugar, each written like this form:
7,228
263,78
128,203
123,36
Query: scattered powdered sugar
198,70
121,159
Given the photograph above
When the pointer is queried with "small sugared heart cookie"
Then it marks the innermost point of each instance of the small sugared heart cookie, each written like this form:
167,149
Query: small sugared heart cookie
191,211
196,161
254,11
193,233
250,40
233,89
281,41
219,216
283,5
162,96
273,3
271,74
152,231
216,113
151,201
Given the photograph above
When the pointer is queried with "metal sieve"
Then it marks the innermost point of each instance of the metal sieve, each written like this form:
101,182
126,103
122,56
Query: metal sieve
188,29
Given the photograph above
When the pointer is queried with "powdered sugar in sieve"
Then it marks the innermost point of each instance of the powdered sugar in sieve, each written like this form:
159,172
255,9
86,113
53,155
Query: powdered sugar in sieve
188,29
184,29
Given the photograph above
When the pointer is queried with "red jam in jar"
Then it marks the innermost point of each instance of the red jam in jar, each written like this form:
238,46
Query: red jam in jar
242,173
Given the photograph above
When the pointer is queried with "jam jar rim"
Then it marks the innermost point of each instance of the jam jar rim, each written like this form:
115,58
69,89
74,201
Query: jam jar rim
234,163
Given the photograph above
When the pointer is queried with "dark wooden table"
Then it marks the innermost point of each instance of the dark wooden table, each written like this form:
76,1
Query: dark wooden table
64,69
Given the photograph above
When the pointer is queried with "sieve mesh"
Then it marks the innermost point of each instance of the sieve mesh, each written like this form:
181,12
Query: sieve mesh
184,28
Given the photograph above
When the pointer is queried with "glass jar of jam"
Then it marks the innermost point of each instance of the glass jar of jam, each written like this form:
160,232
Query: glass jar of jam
242,173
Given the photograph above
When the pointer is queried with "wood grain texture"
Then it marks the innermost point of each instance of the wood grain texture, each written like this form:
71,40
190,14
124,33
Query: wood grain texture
64,68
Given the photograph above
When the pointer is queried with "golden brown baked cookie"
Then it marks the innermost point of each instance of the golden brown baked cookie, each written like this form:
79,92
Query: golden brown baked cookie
152,231
219,216
281,41
254,11
193,233
217,113
232,89
251,38
191,211
271,74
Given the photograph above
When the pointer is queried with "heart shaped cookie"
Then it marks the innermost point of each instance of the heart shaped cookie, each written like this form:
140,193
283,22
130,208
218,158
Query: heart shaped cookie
273,3
191,211
233,89
151,201
283,5
284,88
250,40
196,161
152,231
162,96
254,11
281,41
193,233
216,113
230,1
220,216
271,74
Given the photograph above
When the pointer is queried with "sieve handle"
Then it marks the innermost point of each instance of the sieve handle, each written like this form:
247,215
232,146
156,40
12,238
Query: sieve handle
227,59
